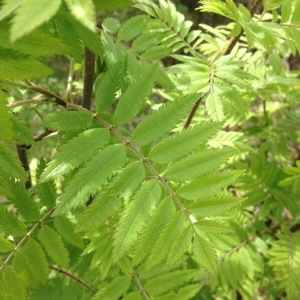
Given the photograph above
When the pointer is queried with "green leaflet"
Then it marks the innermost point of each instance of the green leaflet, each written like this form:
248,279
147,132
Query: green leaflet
46,190
135,216
160,285
180,245
6,133
102,250
54,246
211,226
66,229
208,185
213,206
17,67
133,27
37,43
214,106
22,134
10,164
107,85
160,218
186,292
13,285
23,202
9,224
68,121
75,152
5,245
107,203
163,120
135,96
201,162
9,7
204,254
108,5
165,241
31,265
84,12
36,265
90,178
30,14
103,206
114,290
173,147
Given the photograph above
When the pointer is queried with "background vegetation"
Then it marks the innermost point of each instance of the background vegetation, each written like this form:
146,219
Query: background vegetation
149,150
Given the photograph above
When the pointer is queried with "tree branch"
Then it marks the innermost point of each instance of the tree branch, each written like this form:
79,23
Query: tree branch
75,278
89,70
22,153
227,51
27,236
31,87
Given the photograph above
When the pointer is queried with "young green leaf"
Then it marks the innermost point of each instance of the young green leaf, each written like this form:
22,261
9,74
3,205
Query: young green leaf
14,66
68,121
75,152
165,241
84,12
213,206
173,147
135,216
208,185
22,134
5,245
54,246
9,224
160,218
109,6
133,27
22,200
211,226
163,120
180,245
66,230
214,106
6,134
114,290
197,164
90,178
107,85
30,14
135,96
162,284
13,285
204,254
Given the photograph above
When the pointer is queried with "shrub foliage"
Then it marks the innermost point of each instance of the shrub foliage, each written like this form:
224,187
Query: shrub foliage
162,163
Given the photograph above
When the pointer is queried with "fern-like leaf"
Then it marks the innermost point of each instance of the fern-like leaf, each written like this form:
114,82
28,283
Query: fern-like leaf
54,246
165,241
197,164
90,178
208,185
204,254
214,205
68,121
163,120
135,96
160,218
177,146
84,12
135,216
114,290
30,14
31,264
85,145
171,281
14,287
6,134
9,224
